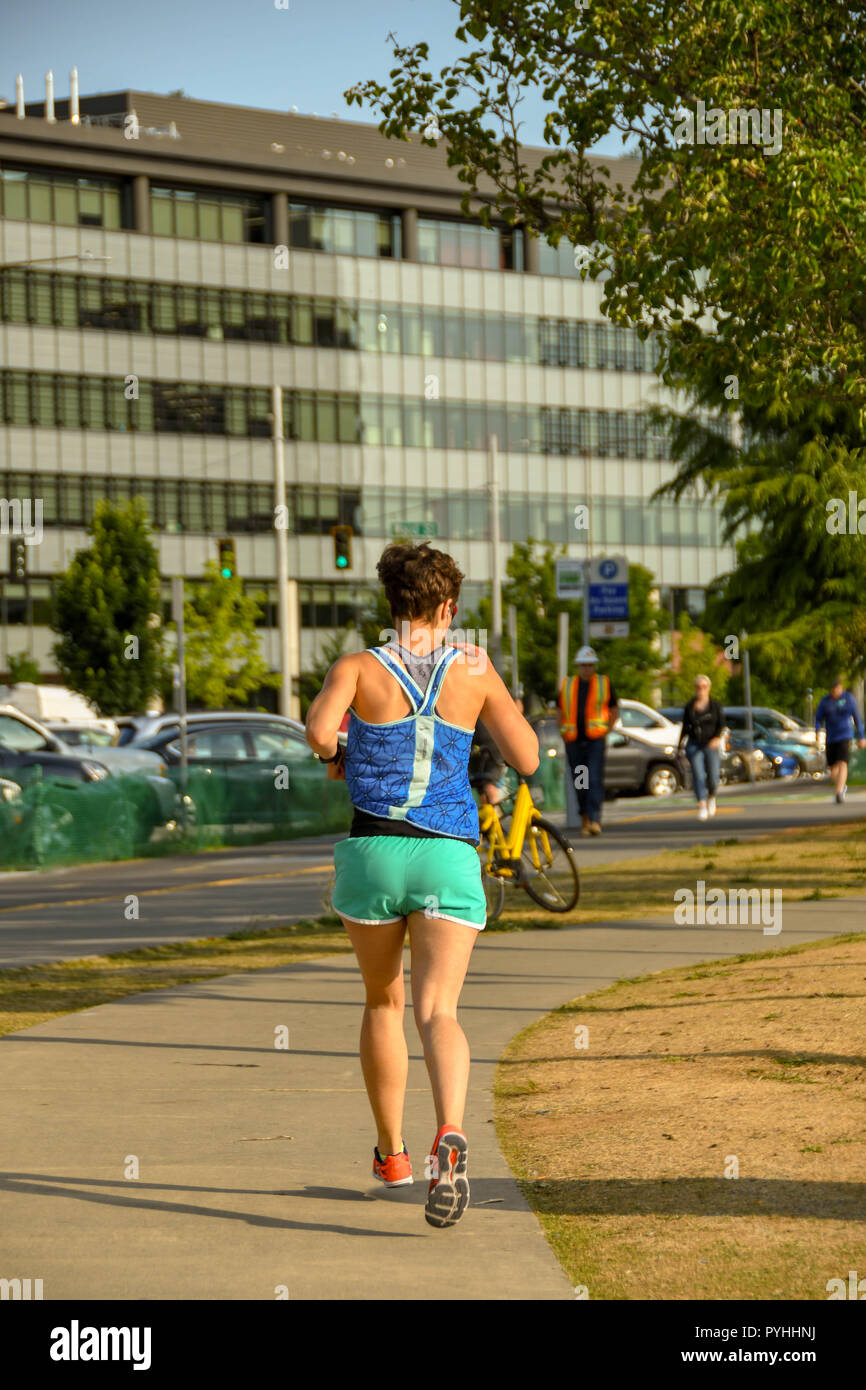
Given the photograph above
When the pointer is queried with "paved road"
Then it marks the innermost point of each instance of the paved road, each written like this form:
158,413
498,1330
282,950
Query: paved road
245,1183
68,913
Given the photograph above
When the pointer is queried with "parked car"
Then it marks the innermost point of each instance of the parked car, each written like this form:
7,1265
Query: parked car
251,769
99,733
21,735
651,724
797,759
735,761
632,763
138,730
809,758
26,753
771,720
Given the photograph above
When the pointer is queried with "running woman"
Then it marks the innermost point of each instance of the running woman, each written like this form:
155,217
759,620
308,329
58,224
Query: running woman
410,862
839,712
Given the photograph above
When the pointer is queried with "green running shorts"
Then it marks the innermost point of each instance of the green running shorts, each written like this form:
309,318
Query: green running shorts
381,878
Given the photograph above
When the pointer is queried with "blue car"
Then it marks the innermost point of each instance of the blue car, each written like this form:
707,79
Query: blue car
783,762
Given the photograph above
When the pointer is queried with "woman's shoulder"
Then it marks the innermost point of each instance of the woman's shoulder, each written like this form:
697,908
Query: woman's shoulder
474,659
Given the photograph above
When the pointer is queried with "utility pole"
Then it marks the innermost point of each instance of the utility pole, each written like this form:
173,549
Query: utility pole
180,686
572,810
512,642
747,683
286,618
495,551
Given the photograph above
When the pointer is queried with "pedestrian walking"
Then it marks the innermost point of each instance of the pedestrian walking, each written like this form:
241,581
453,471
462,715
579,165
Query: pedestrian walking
410,862
587,712
703,721
838,711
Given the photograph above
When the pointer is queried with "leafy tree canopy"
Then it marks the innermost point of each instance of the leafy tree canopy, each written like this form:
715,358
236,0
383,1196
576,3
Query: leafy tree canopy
223,657
745,258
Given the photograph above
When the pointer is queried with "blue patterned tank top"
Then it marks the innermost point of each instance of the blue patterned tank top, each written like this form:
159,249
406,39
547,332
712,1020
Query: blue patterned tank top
414,769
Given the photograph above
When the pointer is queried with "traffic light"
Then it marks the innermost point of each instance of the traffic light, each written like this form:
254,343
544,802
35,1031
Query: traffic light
342,547
228,563
17,559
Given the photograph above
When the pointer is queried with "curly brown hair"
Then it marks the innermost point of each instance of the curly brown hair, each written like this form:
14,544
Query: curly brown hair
417,579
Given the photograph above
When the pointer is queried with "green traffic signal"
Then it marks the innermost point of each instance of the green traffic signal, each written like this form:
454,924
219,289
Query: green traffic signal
227,561
342,547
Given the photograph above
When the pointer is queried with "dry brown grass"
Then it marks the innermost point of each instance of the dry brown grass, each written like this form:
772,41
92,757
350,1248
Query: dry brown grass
623,1147
796,860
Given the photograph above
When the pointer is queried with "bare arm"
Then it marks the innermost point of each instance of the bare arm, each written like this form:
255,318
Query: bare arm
325,714
514,737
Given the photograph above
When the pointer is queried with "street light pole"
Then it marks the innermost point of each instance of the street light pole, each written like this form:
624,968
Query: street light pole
281,532
747,683
495,552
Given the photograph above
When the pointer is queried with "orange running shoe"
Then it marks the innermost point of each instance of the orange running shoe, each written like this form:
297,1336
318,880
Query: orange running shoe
448,1193
394,1170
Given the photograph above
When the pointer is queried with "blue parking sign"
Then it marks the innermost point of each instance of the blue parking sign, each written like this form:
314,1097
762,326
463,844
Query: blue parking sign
608,597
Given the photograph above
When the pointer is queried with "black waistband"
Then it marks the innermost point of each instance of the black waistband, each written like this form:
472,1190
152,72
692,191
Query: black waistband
364,823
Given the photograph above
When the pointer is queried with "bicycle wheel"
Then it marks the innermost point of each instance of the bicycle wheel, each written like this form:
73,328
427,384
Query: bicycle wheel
548,868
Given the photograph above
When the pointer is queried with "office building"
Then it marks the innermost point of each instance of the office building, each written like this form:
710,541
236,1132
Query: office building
166,261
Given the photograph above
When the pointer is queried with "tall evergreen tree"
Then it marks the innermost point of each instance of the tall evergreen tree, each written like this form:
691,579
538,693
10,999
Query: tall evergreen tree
799,586
107,613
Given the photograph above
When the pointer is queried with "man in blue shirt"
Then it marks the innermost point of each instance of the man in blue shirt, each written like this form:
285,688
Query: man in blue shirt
839,712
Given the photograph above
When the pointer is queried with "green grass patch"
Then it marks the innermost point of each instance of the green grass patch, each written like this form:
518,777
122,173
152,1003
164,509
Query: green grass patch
36,993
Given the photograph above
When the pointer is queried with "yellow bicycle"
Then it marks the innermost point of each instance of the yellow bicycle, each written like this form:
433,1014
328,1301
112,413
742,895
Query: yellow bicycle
534,855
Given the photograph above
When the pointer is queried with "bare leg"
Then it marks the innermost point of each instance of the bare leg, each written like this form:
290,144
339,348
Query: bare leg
384,1056
440,957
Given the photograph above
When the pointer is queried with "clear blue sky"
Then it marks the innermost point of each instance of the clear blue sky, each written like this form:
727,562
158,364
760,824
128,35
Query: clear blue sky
243,52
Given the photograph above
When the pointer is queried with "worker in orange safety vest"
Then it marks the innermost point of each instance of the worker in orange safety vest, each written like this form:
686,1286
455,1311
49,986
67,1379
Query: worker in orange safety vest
587,711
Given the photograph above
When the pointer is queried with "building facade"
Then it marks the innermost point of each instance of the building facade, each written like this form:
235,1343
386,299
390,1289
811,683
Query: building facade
164,262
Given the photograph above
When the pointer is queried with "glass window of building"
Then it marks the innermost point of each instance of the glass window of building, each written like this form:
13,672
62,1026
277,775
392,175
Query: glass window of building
49,195
208,214
344,231
557,260
442,241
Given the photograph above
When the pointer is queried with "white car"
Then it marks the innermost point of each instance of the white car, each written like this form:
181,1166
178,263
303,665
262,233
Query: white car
75,733
635,717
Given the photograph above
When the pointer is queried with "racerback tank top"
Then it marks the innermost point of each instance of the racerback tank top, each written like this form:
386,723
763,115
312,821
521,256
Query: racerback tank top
411,773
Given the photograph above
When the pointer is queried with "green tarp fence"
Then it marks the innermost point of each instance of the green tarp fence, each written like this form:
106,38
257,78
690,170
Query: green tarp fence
53,823
857,765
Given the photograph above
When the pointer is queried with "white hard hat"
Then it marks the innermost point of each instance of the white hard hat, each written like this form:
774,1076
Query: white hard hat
585,656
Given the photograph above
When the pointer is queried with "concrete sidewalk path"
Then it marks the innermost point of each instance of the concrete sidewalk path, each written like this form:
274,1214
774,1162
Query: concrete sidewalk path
252,1184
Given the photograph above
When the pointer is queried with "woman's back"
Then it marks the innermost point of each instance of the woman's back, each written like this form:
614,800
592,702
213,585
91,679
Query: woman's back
406,759
380,699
